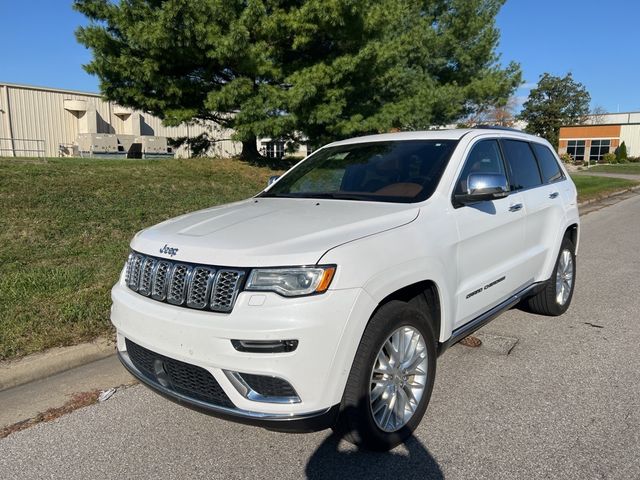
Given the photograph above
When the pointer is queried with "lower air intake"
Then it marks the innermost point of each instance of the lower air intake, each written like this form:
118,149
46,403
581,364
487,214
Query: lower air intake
184,378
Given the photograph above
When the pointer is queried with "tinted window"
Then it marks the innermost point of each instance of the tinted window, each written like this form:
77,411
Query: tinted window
398,171
522,163
548,163
575,148
484,158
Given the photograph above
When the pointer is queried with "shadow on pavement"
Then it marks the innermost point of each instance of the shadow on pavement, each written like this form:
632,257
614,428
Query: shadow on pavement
328,461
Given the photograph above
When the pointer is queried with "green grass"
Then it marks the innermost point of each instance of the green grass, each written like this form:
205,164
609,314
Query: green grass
590,187
628,168
65,226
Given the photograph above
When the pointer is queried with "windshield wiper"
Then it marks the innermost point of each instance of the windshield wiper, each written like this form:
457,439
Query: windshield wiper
334,195
349,196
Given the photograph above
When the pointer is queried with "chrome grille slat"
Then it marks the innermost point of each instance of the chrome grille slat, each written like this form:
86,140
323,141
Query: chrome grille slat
225,290
160,280
178,284
134,271
202,287
146,276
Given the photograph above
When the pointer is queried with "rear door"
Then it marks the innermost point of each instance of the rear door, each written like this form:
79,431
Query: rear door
545,227
533,174
490,240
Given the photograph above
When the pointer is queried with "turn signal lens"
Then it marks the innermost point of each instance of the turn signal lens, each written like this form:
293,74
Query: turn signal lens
325,281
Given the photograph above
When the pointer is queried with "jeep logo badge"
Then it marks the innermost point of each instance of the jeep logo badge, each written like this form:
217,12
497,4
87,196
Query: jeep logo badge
169,250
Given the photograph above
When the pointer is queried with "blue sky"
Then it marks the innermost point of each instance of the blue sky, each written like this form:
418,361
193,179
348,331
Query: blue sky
596,41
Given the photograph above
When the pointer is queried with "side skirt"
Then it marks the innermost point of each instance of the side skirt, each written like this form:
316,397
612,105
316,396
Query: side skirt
480,321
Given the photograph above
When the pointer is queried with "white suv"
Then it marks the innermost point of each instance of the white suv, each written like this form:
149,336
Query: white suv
325,300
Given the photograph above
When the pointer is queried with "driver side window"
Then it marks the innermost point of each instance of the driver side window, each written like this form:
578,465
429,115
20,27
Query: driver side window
485,157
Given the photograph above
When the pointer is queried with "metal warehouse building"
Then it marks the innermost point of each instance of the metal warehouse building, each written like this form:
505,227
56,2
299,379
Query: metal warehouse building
602,134
37,122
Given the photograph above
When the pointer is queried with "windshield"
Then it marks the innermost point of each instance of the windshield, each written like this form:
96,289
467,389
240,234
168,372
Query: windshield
399,171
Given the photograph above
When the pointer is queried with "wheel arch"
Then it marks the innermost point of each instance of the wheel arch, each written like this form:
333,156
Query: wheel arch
572,232
423,295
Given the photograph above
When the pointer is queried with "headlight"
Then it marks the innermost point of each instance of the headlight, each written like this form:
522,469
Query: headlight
291,281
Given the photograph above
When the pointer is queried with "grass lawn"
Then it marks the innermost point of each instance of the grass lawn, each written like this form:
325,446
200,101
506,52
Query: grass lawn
630,168
65,226
590,187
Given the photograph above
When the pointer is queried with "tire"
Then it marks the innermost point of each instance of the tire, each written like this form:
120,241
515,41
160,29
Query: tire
357,422
550,301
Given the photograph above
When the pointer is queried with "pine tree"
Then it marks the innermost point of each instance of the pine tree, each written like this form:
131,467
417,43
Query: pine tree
277,68
621,152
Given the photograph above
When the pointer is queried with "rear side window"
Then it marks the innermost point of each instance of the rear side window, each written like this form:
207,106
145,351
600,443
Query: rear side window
484,158
522,163
548,163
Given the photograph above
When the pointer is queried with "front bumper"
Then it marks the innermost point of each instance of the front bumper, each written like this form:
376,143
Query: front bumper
309,422
317,369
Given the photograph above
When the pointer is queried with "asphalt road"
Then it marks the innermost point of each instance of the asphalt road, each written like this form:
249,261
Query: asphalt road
565,403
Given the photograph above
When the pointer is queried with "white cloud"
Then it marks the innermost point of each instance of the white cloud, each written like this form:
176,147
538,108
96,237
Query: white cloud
528,86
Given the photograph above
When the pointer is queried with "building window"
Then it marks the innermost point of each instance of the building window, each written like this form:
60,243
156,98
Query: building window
598,149
575,148
275,149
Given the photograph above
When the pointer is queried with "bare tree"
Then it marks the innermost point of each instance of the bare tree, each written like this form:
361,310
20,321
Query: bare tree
598,115
500,115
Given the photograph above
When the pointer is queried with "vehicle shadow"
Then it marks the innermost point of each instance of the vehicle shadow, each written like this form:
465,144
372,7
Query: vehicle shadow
330,461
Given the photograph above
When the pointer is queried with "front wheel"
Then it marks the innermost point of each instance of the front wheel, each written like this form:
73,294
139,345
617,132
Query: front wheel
391,379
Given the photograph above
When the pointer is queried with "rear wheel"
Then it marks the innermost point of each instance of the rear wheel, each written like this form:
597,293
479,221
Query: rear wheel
391,379
556,296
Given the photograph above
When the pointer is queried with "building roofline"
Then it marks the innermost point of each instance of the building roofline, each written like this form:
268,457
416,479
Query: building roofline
611,113
49,89
618,124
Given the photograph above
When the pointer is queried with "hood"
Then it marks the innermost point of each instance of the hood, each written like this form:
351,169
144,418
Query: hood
269,231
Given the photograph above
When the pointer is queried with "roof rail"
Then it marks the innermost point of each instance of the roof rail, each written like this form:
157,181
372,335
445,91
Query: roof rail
497,127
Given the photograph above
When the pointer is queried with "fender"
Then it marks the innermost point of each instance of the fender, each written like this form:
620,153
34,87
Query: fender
392,270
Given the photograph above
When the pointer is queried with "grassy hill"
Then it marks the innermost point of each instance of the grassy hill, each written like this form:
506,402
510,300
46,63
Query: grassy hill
65,226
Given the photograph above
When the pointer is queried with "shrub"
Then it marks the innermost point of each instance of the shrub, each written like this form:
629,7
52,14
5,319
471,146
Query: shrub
633,159
566,158
621,152
609,158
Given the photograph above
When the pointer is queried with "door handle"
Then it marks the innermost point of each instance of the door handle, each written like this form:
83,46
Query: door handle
515,207
554,195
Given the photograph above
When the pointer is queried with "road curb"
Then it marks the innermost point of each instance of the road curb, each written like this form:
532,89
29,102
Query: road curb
56,360
614,194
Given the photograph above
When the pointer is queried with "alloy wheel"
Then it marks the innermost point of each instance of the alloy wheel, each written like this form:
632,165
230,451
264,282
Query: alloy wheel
564,277
398,379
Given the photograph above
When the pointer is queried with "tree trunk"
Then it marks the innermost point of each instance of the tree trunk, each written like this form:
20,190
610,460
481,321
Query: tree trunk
250,150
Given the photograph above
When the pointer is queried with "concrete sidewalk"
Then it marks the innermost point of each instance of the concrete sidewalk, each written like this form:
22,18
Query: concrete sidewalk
26,401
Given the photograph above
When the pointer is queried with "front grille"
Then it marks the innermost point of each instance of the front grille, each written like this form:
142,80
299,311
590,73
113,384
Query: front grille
184,378
202,287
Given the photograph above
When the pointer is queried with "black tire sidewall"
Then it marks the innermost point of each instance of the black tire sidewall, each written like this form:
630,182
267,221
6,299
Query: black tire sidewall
560,309
357,417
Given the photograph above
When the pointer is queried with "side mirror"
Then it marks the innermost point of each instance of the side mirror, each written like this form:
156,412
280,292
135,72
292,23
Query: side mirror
484,186
272,179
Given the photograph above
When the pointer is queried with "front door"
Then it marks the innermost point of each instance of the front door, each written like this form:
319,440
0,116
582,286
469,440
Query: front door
490,251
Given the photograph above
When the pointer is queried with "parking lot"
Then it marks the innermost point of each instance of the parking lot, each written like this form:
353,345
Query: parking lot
564,403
